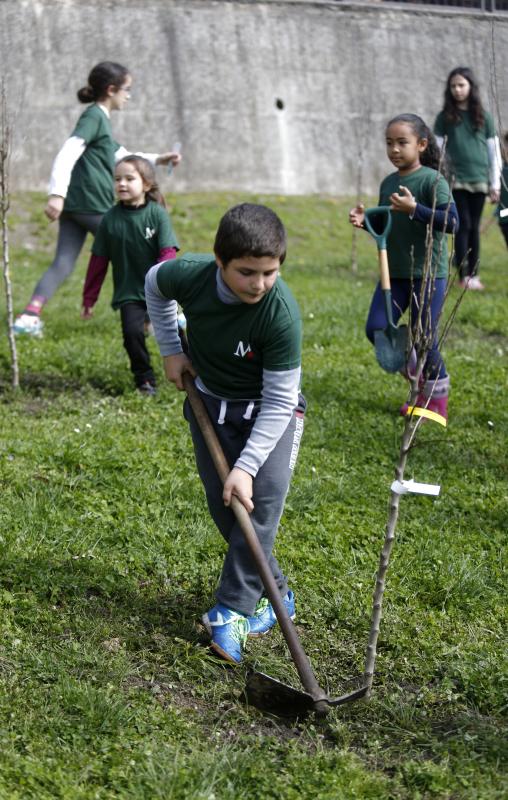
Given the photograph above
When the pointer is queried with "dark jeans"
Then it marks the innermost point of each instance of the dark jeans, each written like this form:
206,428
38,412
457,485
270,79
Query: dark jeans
401,297
133,329
467,239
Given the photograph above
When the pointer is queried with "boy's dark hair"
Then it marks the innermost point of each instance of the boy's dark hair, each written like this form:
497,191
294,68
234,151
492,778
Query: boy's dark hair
107,73
431,156
474,104
147,172
250,230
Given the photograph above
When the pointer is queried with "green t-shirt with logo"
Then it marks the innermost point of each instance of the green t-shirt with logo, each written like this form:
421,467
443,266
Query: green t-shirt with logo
231,344
91,188
466,147
132,238
406,243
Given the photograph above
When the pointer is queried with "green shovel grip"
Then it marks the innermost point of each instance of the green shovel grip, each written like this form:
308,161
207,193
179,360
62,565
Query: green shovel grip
379,211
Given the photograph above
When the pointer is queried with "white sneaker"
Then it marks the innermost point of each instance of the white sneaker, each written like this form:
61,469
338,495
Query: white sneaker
29,324
475,283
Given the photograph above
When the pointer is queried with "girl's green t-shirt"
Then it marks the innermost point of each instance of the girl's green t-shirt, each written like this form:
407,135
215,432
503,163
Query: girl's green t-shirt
407,241
91,188
132,238
466,147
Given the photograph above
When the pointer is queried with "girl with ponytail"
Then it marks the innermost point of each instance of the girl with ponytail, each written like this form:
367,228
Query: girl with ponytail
81,184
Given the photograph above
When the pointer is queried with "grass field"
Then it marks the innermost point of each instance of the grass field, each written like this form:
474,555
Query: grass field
107,689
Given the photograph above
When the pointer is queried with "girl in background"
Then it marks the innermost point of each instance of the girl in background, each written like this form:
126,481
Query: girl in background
474,163
410,192
81,184
133,235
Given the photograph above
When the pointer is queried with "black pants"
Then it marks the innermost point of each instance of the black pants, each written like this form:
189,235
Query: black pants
504,231
467,239
133,329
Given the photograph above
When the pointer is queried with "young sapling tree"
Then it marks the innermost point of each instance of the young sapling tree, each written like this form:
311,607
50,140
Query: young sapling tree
5,155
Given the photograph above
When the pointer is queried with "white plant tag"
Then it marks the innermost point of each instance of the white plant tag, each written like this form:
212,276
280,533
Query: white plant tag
402,487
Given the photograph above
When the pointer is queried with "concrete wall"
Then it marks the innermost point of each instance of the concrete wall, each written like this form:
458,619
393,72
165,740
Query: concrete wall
210,74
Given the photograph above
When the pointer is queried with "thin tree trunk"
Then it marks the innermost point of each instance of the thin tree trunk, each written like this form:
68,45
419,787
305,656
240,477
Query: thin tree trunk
5,151
384,559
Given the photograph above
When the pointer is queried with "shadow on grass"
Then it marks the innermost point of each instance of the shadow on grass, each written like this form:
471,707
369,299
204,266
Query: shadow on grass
47,386
82,602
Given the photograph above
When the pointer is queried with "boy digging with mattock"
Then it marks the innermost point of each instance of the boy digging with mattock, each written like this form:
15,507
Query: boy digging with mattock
244,333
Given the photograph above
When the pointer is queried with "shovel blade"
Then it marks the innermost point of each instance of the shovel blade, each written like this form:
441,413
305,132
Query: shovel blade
269,694
391,347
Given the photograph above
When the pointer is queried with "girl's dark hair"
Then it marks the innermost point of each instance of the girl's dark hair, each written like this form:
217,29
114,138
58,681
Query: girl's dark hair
250,230
105,74
431,156
147,172
474,104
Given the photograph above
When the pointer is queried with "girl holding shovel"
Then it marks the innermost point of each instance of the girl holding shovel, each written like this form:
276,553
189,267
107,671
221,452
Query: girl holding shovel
417,196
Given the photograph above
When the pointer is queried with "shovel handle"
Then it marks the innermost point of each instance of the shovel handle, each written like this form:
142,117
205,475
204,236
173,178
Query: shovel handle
384,272
298,654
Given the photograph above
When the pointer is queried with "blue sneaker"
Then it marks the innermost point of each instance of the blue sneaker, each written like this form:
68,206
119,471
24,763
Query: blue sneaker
264,616
228,630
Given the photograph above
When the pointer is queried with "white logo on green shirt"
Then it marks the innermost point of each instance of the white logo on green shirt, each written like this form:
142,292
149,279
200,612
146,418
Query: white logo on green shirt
149,232
242,351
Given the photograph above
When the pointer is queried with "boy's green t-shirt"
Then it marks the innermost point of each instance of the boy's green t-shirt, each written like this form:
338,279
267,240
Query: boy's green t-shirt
132,238
230,345
91,188
466,147
406,243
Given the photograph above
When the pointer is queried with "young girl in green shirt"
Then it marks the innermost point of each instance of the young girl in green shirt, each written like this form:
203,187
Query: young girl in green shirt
133,235
418,196
81,184
474,159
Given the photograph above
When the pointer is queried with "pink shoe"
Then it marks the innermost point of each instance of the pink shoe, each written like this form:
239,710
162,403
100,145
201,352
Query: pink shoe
420,402
437,404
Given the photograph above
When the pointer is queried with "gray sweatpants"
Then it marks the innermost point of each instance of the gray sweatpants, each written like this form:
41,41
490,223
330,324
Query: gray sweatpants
72,231
240,586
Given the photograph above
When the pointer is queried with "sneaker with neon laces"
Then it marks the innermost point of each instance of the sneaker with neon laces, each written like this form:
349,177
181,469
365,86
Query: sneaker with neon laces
264,617
29,324
228,630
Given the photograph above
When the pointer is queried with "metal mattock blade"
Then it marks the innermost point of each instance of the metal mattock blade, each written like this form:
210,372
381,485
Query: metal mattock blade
269,694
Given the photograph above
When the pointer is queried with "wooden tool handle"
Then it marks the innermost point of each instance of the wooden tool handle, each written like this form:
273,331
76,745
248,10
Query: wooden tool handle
384,272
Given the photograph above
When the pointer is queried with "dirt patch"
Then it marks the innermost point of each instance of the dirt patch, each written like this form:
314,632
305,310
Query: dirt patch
221,720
